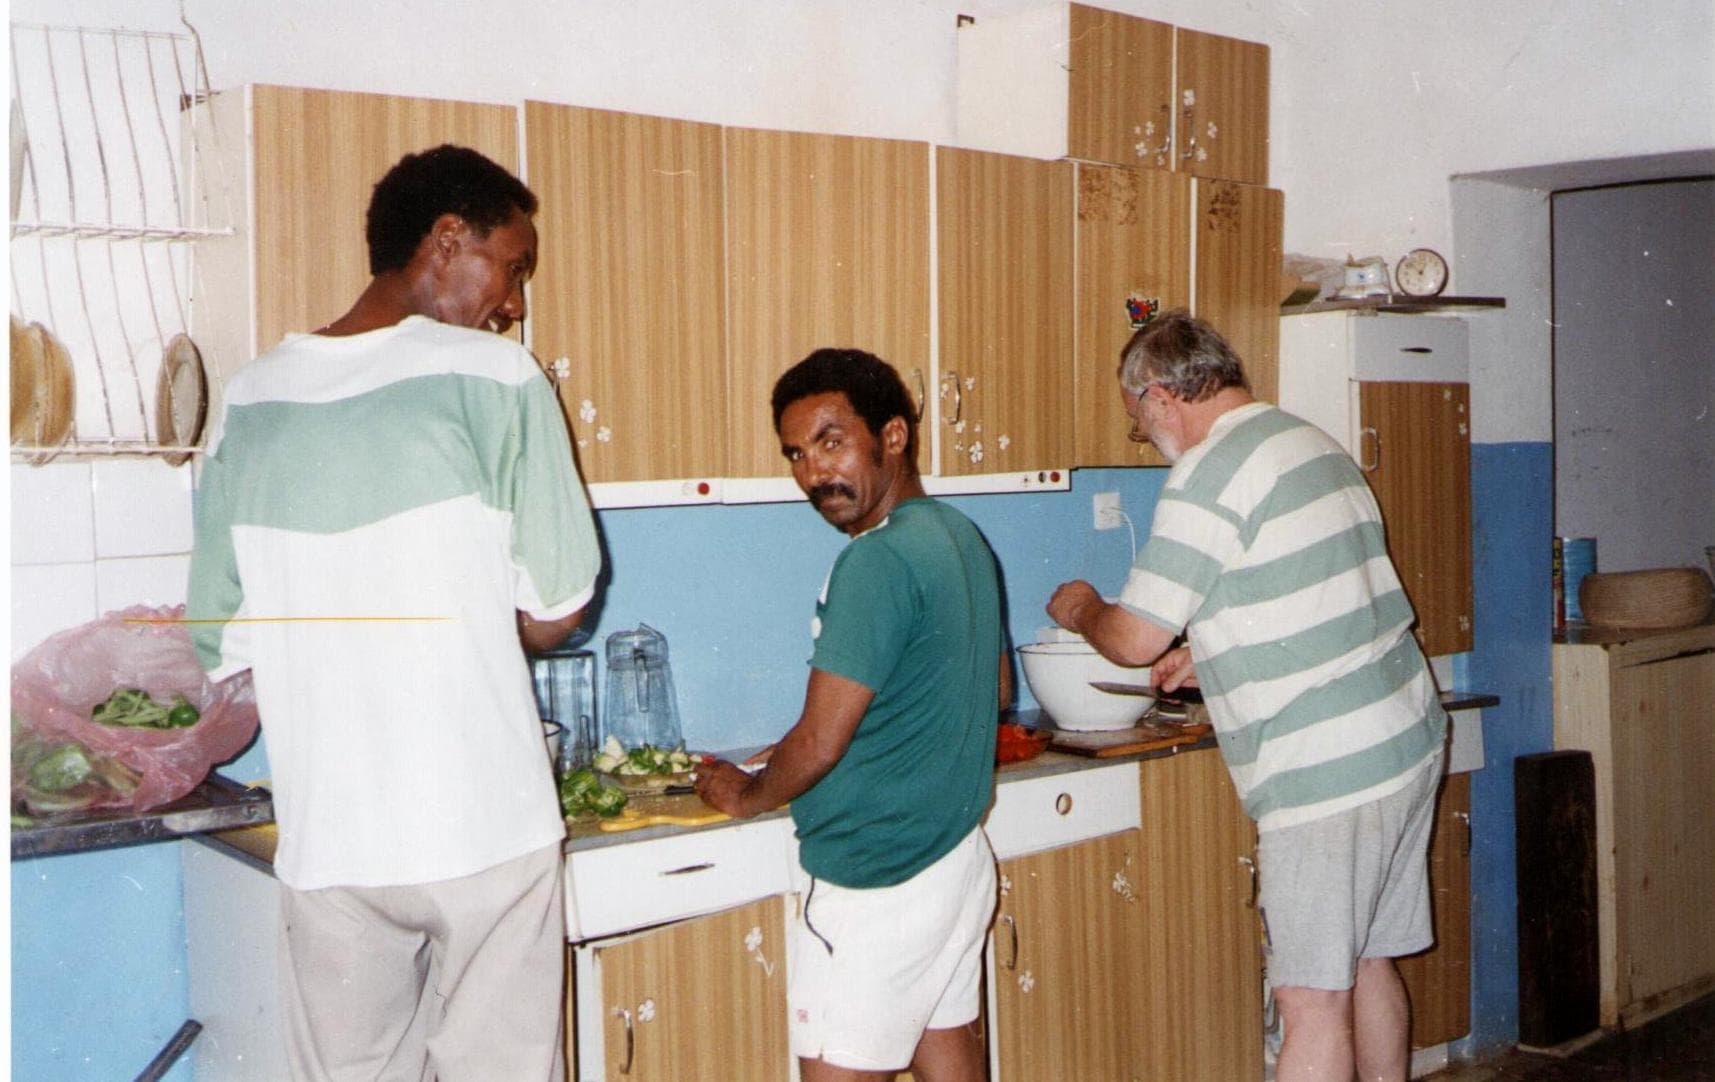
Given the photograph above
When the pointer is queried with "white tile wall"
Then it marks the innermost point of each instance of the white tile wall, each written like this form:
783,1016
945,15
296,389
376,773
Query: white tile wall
142,507
91,537
53,513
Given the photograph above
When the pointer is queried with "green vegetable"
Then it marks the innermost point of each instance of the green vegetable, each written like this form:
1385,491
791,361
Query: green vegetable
134,708
64,768
581,792
642,761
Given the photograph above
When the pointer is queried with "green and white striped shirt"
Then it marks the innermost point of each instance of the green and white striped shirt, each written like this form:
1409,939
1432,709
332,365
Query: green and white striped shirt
372,512
1267,550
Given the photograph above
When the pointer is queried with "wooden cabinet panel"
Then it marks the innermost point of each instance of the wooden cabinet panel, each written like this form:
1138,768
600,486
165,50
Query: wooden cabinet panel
629,288
1239,238
827,245
1223,107
695,1001
1664,816
1202,956
1133,241
1638,702
1120,95
1004,234
1415,448
316,157
1066,983
1438,980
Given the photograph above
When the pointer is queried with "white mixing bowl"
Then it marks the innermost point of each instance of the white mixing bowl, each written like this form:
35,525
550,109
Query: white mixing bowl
1059,675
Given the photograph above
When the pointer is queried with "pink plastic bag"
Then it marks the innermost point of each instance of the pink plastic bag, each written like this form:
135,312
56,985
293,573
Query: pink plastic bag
57,685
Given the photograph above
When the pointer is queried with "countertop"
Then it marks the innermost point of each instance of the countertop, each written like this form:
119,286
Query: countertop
217,803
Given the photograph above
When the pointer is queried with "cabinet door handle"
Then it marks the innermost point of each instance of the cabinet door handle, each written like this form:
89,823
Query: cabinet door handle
958,398
1250,869
1465,818
1012,926
630,1039
922,392
1368,465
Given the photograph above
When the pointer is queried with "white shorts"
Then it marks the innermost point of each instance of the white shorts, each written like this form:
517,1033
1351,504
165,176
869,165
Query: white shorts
870,970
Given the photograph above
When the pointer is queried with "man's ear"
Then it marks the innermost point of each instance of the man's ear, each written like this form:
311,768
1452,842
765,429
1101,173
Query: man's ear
446,234
895,435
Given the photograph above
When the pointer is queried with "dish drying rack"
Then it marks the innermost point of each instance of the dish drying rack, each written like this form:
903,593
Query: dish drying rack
107,153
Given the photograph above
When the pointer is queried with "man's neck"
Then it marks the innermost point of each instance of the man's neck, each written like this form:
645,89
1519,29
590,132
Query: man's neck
1201,416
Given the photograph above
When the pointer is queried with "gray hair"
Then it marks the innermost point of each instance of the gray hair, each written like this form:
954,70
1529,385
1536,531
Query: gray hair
1182,353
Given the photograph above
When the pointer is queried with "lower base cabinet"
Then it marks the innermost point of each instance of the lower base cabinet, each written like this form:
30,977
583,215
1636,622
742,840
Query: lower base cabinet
1438,980
699,1000
1063,954
1200,1003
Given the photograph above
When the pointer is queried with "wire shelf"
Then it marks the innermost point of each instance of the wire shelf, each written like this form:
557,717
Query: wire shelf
105,164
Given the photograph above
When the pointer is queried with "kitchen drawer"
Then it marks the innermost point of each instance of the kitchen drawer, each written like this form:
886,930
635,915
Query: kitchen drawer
1047,812
1410,349
618,888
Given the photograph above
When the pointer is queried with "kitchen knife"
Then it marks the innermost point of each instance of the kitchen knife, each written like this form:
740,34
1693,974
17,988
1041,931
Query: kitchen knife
1182,695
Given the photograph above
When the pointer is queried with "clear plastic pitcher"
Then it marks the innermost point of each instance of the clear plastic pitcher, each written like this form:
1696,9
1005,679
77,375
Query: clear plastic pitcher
640,705
565,692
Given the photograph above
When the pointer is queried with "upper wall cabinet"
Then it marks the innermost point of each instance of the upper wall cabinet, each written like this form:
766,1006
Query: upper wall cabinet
827,242
1003,396
309,162
1133,259
1221,128
1071,81
627,304
1239,239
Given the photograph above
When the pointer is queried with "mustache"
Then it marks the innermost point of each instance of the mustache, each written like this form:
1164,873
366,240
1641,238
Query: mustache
822,492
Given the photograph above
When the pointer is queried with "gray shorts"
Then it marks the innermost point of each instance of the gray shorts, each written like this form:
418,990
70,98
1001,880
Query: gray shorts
1352,885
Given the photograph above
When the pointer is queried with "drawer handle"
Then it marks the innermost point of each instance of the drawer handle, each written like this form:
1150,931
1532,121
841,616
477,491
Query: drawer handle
690,869
630,1039
1012,926
1063,804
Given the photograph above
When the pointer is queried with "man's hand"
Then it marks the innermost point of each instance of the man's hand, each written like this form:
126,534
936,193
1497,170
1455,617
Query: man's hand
1074,605
722,787
1174,670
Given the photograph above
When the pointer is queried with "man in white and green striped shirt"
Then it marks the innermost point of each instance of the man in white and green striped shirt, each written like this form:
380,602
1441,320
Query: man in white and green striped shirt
1267,552
388,511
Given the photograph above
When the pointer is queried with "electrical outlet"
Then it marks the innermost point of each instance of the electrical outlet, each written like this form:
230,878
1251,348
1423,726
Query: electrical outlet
1106,506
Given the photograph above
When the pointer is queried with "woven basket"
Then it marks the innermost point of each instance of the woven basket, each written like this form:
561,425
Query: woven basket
1659,597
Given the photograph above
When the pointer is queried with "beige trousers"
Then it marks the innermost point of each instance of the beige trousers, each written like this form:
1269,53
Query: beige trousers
460,980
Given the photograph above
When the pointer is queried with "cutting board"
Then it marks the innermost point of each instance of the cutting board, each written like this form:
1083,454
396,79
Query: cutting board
648,811
1150,736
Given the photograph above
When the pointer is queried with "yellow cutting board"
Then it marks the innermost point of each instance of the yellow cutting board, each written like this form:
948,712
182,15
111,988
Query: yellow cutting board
687,811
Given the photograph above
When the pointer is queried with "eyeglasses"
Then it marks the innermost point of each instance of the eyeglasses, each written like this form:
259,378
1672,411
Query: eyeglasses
1138,434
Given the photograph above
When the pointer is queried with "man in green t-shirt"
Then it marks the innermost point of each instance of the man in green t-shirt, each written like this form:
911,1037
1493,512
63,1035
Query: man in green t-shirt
890,766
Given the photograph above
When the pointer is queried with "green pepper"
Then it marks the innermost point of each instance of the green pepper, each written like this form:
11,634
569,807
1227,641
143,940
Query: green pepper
183,715
64,768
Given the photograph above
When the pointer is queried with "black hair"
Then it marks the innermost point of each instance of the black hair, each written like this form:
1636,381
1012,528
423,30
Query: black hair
870,384
424,186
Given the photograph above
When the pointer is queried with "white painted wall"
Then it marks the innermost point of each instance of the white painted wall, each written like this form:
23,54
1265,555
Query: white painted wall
1374,106
1634,388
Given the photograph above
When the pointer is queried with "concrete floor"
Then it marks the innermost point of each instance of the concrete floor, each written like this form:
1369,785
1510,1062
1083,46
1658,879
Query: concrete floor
1677,1047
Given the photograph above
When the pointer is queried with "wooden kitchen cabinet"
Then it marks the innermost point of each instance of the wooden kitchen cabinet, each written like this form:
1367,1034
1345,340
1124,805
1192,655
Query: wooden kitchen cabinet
629,291
1640,703
1239,238
1201,966
1066,938
1003,399
310,164
827,241
1438,980
698,1000
1133,243
1394,391
1072,81
1222,97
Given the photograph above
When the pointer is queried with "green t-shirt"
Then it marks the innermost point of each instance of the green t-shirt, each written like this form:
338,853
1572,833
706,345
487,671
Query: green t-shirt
911,611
